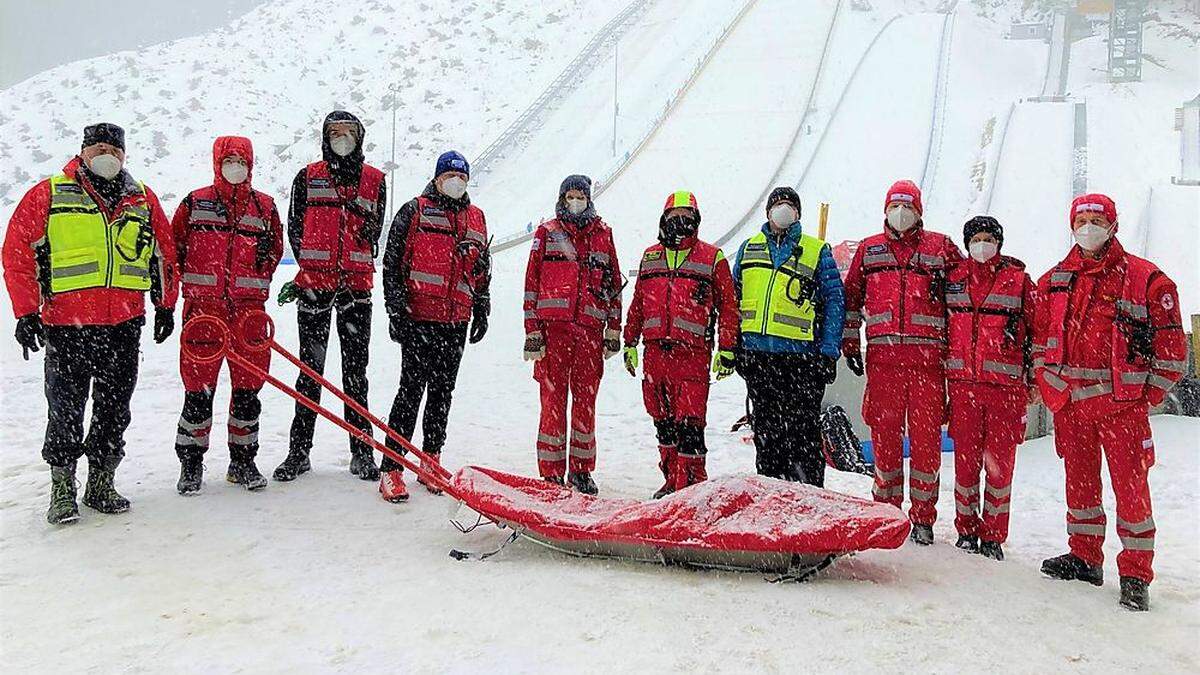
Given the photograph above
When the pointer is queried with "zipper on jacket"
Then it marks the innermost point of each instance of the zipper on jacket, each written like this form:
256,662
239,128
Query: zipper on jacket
229,250
770,287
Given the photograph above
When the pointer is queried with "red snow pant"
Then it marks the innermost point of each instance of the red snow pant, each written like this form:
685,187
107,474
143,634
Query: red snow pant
573,364
1124,436
200,381
675,391
899,392
200,376
987,422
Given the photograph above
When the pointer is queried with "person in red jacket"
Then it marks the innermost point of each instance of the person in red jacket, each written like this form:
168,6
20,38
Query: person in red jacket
436,276
82,249
896,281
228,240
683,301
335,220
572,325
1108,346
990,300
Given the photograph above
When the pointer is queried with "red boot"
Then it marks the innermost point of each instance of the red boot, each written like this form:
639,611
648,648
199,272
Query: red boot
392,488
666,464
435,461
689,470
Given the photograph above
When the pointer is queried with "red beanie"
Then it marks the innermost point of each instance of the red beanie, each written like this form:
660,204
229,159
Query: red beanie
904,191
1093,202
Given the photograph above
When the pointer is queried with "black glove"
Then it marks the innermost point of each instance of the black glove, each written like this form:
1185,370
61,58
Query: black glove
31,334
855,363
828,369
164,324
479,318
396,324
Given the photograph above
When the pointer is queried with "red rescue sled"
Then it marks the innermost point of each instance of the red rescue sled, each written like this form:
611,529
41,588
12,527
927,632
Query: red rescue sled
737,522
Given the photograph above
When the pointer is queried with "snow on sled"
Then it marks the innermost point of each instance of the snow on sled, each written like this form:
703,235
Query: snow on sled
733,522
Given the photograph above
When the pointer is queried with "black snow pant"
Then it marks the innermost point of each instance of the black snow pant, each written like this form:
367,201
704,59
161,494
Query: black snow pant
195,424
785,392
314,312
430,354
104,360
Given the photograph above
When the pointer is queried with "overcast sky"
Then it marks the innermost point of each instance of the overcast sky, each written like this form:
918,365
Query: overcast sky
36,35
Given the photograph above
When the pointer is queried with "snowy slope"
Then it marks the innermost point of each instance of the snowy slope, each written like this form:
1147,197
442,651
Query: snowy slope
461,72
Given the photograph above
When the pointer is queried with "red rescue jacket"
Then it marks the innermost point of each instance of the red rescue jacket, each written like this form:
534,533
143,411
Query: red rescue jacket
896,283
991,322
442,261
27,281
334,242
228,237
1108,331
691,305
573,275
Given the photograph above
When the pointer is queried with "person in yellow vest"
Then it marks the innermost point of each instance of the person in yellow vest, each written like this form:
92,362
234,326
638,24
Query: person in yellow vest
81,251
792,308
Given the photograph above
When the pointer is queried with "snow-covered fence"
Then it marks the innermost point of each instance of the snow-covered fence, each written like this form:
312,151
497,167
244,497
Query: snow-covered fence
535,115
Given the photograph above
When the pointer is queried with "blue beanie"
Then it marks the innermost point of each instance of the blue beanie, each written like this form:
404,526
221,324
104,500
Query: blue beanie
452,161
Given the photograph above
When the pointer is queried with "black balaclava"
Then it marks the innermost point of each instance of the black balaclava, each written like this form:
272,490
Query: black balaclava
345,170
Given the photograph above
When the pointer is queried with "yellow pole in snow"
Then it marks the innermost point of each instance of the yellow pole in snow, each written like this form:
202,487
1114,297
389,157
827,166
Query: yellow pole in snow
823,220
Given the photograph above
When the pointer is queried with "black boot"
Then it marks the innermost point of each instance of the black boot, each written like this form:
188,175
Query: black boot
922,534
1135,594
991,549
191,474
1070,567
968,543
363,466
63,508
293,465
100,494
243,471
663,491
582,481
557,480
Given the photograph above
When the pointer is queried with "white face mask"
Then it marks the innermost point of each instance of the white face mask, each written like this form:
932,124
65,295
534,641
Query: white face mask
234,172
577,206
901,218
782,215
1091,237
983,251
454,188
105,166
342,145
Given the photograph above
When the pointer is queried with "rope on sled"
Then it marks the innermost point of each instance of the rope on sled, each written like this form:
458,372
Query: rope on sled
467,555
802,574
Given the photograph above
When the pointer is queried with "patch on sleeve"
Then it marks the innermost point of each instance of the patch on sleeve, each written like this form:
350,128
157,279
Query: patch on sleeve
537,243
1168,301
652,255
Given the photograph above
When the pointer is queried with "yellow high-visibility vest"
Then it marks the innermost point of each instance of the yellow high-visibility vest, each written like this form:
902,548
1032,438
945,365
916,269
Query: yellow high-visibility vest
87,251
780,302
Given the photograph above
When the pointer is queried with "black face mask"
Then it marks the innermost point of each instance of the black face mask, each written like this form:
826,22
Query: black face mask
675,229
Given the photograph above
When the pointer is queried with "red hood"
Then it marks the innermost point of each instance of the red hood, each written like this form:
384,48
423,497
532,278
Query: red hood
223,148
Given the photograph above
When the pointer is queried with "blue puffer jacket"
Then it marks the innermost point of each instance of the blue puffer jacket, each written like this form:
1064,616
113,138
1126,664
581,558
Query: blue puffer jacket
829,290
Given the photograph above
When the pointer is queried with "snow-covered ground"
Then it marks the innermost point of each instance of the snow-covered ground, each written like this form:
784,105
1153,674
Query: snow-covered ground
321,575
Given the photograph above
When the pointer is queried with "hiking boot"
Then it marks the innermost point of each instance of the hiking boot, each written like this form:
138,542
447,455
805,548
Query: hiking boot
991,549
557,480
1135,594
582,482
392,488
663,491
243,471
922,534
100,494
363,466
968,543
191,474
293,465
1070,567
430,468
62,509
